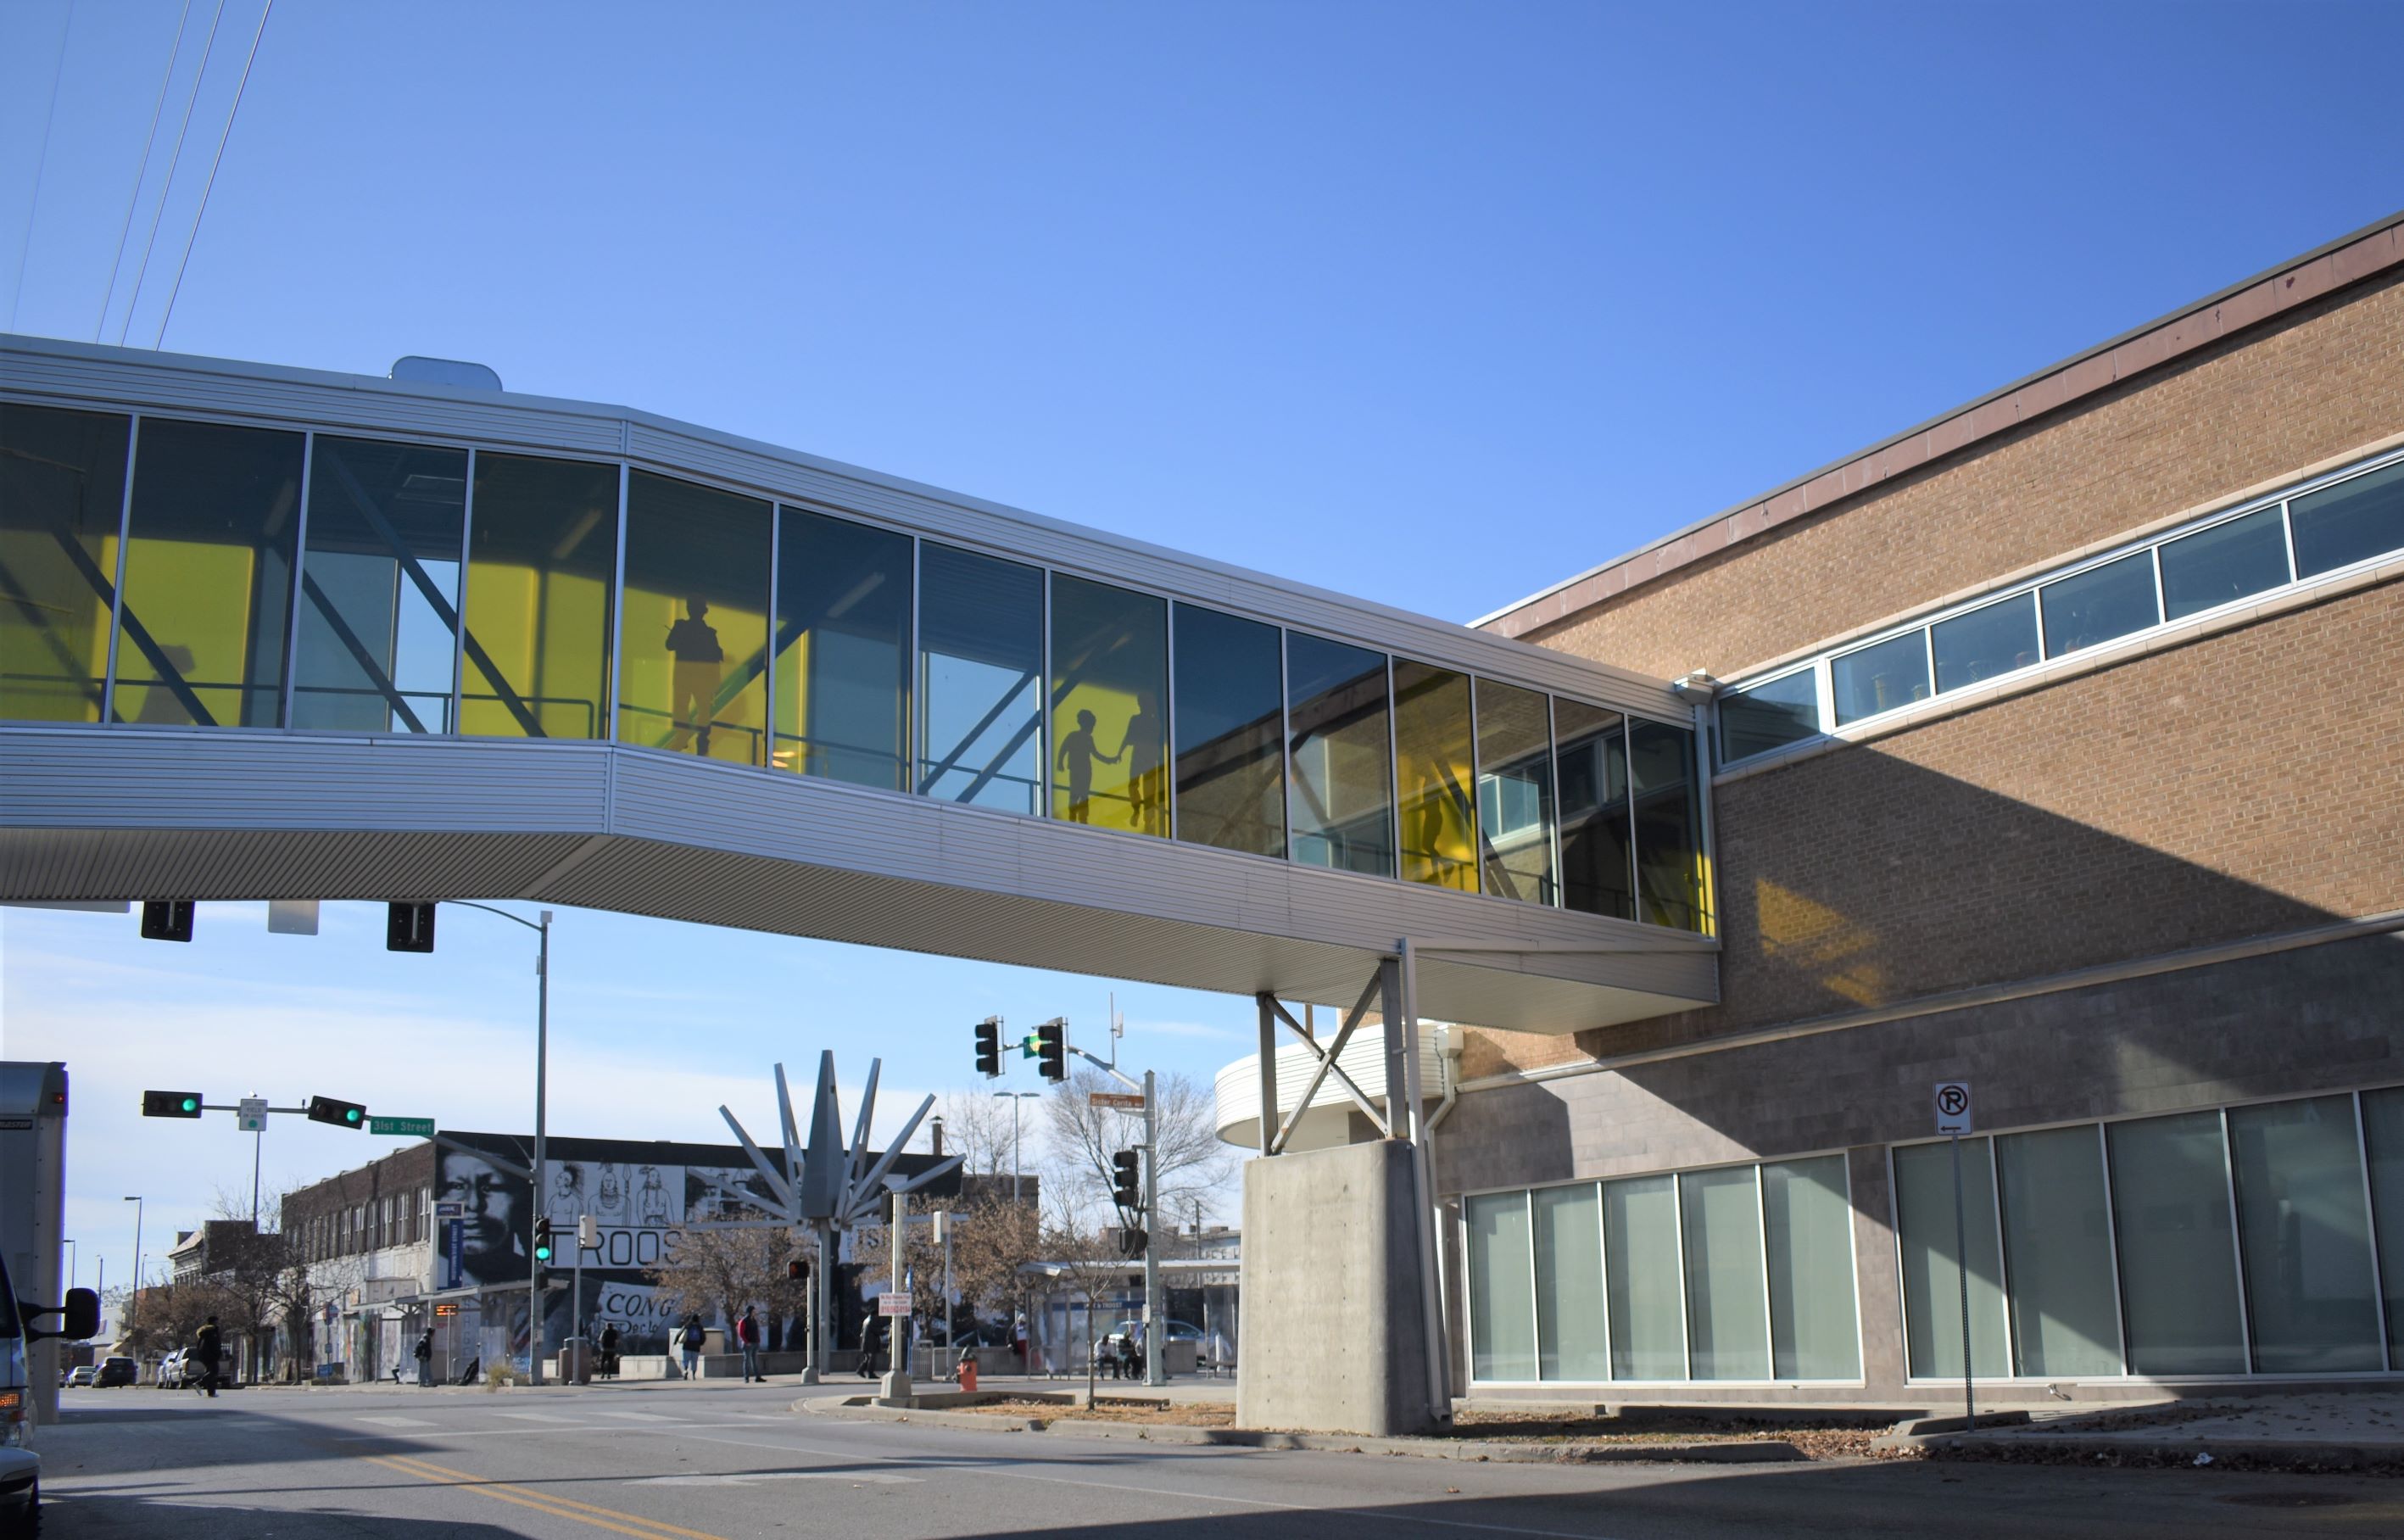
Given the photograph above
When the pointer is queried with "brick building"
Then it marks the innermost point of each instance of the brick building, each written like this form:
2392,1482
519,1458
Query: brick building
2058,748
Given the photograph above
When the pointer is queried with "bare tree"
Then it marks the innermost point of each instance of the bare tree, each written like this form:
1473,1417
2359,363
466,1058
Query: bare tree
977,1128
1088,1253
993,1241
1193,1162
719,1271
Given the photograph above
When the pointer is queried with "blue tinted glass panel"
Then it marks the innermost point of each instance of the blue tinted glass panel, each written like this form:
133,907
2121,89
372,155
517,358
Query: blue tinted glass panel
2225,562
1229,710
1770,716
1880,677
2341,524
2096,606
379,637
981,669
843,651
1985,643
1340,782
1597,855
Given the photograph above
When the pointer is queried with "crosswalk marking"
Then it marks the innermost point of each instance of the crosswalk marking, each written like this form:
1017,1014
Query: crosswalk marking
397,1421
637,1417
541,1417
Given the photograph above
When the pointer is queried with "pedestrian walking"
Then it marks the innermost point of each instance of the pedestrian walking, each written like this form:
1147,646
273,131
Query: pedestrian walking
690,1340
610,1350
425,1358
746,1333
209,1346
871,1332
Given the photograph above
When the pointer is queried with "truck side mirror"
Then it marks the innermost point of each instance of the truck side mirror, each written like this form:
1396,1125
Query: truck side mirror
82,1316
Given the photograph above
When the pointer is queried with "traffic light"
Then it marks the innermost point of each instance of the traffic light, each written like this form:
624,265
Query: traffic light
342,1115
541,1241
1132,1240
171,1104
1051,1051
989,1035
796,1270
588,1232
409,927
1127,1182
166,919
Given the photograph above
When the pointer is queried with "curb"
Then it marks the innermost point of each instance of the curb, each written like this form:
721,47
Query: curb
1751,1451
2070,1448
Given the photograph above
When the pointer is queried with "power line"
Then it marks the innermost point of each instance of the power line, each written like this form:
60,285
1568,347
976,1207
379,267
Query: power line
141,170
25,247
210,185
174,159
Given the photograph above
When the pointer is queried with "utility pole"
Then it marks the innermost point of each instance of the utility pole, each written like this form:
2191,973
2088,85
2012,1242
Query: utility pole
258,1142
134,1300
541,1102
898,1387
1015,1098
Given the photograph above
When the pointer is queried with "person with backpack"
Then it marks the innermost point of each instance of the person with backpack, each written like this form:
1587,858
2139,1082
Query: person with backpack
747,1335
691,1339
608,1365
209,1346
425,1358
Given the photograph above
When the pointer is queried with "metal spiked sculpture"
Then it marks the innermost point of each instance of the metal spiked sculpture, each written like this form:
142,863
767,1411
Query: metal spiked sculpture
827,1186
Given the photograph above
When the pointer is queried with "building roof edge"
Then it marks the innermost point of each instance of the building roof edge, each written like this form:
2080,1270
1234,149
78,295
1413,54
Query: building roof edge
1757,514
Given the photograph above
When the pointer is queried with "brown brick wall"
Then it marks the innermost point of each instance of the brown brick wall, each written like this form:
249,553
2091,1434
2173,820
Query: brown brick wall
2245,411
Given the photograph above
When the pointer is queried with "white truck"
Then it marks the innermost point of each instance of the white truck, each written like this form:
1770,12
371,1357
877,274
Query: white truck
33,1185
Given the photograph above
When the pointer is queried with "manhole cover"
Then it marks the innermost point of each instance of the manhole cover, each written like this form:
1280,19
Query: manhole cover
2289,1499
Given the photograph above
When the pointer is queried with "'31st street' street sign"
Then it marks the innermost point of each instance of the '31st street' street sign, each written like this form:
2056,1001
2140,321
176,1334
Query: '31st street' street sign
417,1127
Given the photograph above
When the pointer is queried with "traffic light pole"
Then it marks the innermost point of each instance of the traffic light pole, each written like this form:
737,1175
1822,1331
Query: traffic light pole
1154,1371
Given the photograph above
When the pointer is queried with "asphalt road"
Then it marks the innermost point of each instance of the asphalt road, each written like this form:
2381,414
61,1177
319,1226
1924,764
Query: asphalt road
724,1462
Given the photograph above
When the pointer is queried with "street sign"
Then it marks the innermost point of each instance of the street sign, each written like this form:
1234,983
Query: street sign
893,1303
250,1115
1126,1101
409,1128
1952,1106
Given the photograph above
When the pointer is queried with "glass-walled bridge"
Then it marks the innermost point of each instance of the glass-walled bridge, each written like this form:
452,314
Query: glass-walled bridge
268,632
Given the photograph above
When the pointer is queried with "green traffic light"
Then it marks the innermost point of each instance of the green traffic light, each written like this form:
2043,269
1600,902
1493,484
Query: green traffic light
191,1104
352,1116
542,1253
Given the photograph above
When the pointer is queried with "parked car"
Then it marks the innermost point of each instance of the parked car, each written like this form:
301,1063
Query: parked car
117,1369
83,1374
169,1374
1171,1331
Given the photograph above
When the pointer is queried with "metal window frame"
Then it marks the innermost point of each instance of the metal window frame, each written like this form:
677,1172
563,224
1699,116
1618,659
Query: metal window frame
768,669
300,565
116,578
459,611
2237,1244
617,604
2370,1234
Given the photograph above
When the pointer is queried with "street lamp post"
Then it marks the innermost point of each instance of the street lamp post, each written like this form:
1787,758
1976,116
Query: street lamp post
1014,1097
134,1300
541,1102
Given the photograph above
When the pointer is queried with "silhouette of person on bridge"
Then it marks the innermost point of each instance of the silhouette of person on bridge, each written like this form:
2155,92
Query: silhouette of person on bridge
1147,786
1078,752
700,666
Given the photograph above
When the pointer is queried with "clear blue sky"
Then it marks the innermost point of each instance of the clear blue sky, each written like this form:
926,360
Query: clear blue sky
1435,305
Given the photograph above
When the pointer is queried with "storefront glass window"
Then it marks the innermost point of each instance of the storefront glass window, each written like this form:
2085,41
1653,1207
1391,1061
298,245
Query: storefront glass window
1340,779
2304,1231
1597,853
2058,1238
1809,1243
1230,711
1727,1315
61,495
1648,1326
2383,1130
543,555
1932,1270
2178,1261
379,632
208,575
843,651
693,646
981,666
1501,1289
1432,772
1109,695
1569,1283
1515,792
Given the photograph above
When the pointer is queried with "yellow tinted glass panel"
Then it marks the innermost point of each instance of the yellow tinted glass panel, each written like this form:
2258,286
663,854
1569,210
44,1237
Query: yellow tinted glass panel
1110,689
1433,775
61,492
542,546
693,658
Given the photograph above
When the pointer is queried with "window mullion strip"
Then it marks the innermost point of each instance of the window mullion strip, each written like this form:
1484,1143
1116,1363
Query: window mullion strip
1768,1313
2370,1230
2237,1242
459,606
616,608
768,674
292,600
116,588
2112,1239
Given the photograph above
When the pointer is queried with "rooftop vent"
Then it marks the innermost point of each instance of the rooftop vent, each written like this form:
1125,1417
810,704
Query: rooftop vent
444,371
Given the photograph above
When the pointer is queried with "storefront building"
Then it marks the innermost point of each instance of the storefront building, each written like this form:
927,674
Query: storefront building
2058,746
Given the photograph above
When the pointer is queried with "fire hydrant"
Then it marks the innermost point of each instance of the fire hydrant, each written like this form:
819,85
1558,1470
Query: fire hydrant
968,1370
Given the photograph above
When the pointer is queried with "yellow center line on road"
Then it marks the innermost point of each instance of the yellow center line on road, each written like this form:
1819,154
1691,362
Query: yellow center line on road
541,1502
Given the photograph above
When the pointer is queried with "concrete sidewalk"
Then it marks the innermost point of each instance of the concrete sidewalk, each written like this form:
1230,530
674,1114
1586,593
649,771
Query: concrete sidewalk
2310,1432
